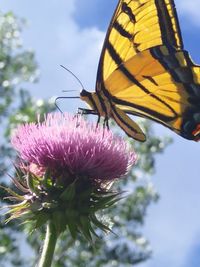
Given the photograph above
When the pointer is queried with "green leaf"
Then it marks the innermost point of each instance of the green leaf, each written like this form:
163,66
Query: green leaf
84,226
103,202
69,193
73,229
47,181
41,219
12,193
60,222
112,202
99,224
32,182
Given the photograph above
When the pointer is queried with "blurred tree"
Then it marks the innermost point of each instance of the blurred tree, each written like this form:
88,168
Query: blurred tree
124,248
17,67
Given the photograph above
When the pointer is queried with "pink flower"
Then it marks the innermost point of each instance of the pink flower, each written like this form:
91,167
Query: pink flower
65,144
66,168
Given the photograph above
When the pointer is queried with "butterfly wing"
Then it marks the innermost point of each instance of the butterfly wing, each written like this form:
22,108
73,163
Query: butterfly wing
136,26
171,97
144,70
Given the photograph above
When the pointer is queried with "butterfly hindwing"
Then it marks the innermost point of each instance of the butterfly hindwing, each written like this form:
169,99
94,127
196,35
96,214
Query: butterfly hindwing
141,86
129,126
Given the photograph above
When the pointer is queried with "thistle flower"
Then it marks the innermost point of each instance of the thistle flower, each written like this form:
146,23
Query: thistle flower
65,166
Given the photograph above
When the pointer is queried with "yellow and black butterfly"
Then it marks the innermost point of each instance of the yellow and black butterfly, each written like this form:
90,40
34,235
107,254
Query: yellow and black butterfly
145,71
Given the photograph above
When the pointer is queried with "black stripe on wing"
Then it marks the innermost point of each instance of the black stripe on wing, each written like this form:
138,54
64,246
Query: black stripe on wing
180,74
121,30
123,121
127,10
154,114
165,22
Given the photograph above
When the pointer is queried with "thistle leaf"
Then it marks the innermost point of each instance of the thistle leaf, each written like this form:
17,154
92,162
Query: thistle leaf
68,193
99,224
84,226
32,183
12,193
60,221
41,219
72,228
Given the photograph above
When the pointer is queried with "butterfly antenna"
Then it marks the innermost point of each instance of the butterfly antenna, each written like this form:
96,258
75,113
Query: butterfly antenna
68,97
64,97
78,80
67,91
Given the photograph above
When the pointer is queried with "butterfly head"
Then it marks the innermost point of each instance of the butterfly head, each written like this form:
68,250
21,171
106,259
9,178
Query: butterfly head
97,103
84,93
88,98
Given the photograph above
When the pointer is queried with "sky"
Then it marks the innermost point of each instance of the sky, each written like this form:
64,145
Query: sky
71,32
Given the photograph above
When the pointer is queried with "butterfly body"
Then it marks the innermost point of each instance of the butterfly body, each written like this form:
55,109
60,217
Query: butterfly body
145,71
104,107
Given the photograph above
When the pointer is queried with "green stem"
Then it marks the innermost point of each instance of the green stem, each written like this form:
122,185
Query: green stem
49,246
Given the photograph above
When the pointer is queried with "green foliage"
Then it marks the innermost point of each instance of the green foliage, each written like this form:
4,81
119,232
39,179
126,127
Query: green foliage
41,199
8,248
17,67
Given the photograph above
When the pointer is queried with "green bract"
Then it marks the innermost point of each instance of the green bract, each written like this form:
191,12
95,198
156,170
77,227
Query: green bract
74,207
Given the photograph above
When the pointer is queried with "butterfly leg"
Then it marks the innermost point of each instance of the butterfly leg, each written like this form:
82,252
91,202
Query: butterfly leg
84,111
79,112
98,121
105,123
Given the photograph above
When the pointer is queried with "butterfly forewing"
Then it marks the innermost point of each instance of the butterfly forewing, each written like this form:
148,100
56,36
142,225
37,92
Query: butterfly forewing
137,26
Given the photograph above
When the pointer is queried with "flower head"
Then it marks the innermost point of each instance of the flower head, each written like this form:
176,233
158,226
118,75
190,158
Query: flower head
65,166
63,143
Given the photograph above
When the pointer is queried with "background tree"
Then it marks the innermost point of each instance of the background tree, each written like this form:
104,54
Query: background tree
124,248
17,67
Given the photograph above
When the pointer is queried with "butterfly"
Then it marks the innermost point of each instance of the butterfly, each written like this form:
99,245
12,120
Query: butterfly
145,71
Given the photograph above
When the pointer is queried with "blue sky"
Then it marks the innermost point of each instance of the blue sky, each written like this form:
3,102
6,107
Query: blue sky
71,32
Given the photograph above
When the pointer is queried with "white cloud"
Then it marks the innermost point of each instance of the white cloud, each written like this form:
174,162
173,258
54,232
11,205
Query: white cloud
76,48
57,39
81,49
